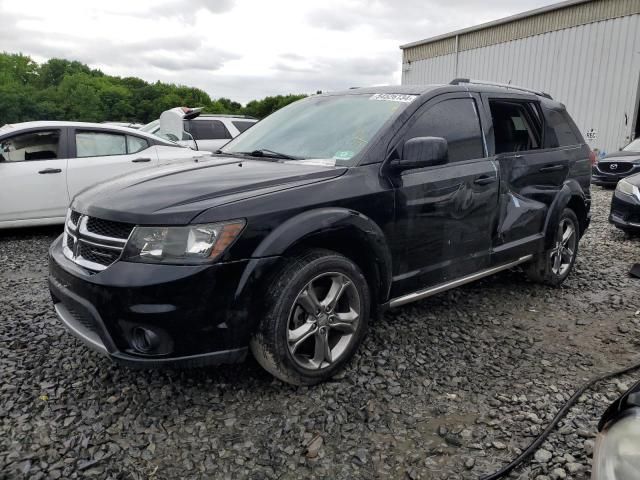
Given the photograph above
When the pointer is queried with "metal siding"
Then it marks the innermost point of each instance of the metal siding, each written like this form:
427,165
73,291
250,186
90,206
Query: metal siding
594,69
526,26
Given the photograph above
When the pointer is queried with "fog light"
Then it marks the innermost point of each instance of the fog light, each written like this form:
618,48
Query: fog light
144,340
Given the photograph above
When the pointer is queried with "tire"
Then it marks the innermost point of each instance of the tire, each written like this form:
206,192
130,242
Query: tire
544,268
291,338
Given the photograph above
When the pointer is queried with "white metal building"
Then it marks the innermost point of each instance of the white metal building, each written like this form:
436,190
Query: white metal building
585,53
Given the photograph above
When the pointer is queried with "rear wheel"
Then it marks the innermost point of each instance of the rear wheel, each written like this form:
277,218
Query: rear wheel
317,313
554,266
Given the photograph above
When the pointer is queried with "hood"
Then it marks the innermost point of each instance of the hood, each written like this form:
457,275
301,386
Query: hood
623,156
177,193
634,179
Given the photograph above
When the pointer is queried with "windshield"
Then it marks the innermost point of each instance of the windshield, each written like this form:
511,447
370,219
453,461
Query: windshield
331,128
633,146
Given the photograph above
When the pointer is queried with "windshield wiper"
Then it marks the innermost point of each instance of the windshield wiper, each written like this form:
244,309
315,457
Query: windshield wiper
265,152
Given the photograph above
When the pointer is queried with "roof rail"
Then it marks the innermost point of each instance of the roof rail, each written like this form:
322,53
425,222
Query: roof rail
458,81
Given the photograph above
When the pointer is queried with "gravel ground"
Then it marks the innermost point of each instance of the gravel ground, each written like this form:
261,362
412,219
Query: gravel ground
451,387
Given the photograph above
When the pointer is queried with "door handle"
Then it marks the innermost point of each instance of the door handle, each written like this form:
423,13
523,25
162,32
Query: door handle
50,170
140,160
552,168
484,180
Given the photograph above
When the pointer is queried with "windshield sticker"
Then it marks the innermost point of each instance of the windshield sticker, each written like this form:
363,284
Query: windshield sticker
343,155
393,97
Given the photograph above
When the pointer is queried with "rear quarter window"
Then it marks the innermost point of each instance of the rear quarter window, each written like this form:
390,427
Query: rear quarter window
560,123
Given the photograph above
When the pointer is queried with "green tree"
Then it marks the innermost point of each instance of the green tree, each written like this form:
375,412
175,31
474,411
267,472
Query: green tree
62,89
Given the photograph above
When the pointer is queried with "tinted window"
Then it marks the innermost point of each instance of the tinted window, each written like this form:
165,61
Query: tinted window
42,145
242,126
516,126
136,144
208,130
559,123
97,144
457,122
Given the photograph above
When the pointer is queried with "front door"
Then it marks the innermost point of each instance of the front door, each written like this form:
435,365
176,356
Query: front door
102,154
446,213
33,175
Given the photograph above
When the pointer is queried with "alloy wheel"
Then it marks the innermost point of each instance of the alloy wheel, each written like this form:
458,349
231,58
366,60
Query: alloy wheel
564,250
323,321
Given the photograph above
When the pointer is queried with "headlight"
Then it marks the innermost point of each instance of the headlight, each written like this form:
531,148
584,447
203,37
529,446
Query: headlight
190,244
628,189
617,452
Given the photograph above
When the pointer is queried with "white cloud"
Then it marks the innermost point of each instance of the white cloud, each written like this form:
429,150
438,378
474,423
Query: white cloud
241,49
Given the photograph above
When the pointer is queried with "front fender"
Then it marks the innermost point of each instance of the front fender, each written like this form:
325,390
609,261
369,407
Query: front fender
364,232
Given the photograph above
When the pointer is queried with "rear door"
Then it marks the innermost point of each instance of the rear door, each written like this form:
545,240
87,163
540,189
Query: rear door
532,171
99,155
445,213
209,134
33,175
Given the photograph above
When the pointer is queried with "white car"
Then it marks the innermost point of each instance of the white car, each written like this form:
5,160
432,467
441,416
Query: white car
189,127
44,164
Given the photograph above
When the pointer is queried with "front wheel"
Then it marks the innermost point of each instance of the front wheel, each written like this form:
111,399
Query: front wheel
554,265
318,307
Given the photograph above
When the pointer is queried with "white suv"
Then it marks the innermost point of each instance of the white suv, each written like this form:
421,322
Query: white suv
189,127
44,164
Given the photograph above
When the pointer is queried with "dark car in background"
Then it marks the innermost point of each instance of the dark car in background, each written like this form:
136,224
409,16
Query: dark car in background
625,205
616,166
325,213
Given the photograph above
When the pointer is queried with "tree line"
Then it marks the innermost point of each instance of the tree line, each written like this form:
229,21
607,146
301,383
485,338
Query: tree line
61,89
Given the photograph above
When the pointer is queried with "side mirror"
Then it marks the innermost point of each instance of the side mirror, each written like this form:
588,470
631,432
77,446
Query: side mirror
420,152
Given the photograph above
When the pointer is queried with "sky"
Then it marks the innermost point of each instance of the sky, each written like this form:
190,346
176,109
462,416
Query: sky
241,49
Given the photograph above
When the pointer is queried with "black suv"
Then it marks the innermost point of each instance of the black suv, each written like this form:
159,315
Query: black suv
334,208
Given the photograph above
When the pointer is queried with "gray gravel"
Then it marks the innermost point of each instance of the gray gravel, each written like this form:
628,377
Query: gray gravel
451,387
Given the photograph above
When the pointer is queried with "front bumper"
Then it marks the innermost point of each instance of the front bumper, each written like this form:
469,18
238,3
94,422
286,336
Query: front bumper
625,212
196,315
608,179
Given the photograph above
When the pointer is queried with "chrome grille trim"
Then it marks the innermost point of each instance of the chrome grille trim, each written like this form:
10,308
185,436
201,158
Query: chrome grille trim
81,236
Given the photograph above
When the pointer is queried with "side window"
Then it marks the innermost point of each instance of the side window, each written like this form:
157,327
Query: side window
41,145
242,126
560,124
517,126
208,130
98,144
456,121
136,144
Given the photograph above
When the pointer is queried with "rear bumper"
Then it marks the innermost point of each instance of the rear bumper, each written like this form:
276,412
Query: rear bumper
196,315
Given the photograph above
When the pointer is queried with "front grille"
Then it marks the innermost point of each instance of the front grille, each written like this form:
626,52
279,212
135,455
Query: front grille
615,167
94,243
75,216
107,228
98,255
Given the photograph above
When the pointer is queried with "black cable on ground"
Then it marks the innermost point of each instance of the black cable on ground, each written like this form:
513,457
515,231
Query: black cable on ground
530,450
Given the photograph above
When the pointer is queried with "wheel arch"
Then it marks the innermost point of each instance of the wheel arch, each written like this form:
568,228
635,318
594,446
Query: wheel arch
570,196
344,231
